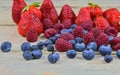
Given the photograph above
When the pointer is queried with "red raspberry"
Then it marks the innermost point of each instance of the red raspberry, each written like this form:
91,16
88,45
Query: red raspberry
47,23
115,41
78,32
58,27
111,31
87,25
96,31
62,45
67,36
116,47
32,35
50,32
89,38
102,39
67,23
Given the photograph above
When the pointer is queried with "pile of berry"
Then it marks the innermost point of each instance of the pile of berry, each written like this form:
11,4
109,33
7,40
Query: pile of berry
91,30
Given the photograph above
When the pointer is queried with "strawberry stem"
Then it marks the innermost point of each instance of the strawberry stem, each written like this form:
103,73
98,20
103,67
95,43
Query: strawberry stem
92,4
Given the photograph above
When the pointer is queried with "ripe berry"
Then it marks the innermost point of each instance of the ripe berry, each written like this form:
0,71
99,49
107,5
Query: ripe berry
34,47
48,42
118,54
6,46
71,54
50,48
25,46
73,42
79,47
64,31
79,40
27,55
40,45
53,39
36,54
92,45
73,26
108,58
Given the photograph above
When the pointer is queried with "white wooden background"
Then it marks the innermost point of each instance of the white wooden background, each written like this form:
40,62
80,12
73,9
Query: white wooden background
12,63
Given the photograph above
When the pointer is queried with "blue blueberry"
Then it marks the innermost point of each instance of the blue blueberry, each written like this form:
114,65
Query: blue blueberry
118,54
73,26
108,58
73,42
25,46
110,38
79,47
88,54
57,36
48,42
34,47
27,55
53,57
79,40
63,31
71,53
70,31
50,48
41,45
92,45
53,39
85,31
6,46
105,50
36,54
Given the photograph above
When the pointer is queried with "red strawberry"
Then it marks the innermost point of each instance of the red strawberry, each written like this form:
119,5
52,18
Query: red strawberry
17,7
115,20
107,14
67,13
62,45
48,11
101,22
94,10
29,20
82,17
32,35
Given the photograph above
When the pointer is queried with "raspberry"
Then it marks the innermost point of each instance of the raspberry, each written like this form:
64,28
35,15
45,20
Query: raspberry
87,25
96,31
115,41
111,31
58,27
32,35
102,39
67,36
67,23
63,45
50,32
89,38
116,47
47,23
78,32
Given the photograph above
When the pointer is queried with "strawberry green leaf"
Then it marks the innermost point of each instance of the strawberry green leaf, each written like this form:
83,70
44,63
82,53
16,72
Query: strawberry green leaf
37,4
25,8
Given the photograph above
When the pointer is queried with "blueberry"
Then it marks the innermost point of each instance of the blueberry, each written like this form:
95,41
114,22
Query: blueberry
92,45
118,54
73,42
50,48
110,38
63,31
88,54
70,31
79,47
53,57
73,26
105,50
79,40
71,53
27,55
48,42
53,39
41,45
36,54
108,58
57,36
34,47
6,46
85,31
25,46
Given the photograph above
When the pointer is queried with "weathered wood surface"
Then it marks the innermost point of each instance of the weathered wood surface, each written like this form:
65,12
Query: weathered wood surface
12,63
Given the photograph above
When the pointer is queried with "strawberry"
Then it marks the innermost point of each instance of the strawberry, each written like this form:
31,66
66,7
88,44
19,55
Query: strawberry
17,7
115,20
67,13
101,22
48,11
107,14
83,16
94,10
29,20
